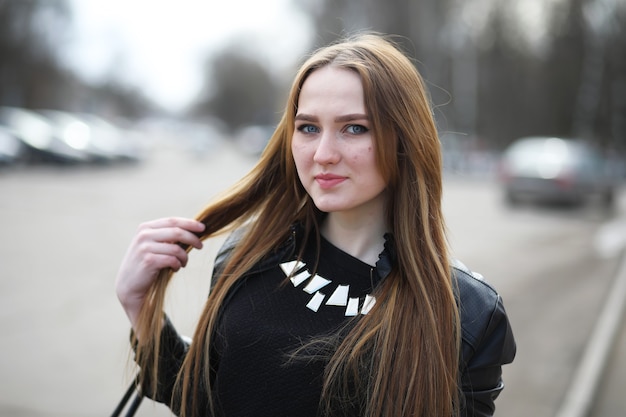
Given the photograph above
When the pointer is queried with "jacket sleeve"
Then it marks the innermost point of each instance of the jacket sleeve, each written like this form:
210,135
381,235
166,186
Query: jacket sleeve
173,351
483,357
174,347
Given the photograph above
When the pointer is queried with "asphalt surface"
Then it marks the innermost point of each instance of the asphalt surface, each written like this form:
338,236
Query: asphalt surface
608,396
65,338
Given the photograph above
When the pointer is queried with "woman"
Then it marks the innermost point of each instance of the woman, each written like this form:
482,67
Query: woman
336,294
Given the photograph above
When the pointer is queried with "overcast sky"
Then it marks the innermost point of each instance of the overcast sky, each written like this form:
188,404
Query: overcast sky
160,45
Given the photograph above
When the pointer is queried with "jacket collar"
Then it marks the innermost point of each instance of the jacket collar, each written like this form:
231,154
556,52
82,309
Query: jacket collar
384,264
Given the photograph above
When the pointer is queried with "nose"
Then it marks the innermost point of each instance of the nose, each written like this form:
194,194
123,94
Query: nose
327,151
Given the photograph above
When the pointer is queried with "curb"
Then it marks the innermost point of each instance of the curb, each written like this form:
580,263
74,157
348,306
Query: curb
580,395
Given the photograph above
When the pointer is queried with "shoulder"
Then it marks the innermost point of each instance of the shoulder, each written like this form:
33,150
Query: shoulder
483,317
475,296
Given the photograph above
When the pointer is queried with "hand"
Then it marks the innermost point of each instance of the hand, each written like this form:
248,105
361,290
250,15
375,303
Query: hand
154,247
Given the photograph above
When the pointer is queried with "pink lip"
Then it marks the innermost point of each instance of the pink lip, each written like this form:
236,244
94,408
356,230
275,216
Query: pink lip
326,181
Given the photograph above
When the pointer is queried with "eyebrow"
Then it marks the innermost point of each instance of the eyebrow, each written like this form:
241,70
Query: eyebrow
338,119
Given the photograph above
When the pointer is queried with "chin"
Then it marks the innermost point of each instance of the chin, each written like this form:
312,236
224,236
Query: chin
330,208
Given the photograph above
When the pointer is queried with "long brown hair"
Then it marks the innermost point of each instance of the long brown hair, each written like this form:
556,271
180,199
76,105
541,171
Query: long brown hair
402,357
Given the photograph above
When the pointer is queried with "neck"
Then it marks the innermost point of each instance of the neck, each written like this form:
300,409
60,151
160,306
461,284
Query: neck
363,239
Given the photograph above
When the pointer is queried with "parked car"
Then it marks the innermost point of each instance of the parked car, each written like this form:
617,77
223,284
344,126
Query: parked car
11,147
78,134
552,169
118,143
39,137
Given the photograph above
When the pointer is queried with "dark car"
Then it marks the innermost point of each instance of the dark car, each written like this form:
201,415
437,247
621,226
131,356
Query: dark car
38,136
559,170
77,133
111,140
11,147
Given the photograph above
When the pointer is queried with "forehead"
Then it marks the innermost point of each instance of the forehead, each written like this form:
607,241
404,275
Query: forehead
332,72
332,87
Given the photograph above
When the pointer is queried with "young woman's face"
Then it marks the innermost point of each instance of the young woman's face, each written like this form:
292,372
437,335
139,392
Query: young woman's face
333,147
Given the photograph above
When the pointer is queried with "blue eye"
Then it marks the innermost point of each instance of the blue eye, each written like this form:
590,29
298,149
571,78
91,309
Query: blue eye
357,129
308,129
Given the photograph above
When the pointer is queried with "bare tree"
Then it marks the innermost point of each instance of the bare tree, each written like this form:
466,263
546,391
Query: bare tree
29,70
498,75
240,90
599,24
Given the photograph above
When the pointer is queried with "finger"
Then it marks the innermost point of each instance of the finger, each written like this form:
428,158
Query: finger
158,261
191,225
165,249
169,235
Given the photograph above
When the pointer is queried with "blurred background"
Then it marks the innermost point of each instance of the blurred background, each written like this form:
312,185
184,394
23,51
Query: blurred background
116,112
497,71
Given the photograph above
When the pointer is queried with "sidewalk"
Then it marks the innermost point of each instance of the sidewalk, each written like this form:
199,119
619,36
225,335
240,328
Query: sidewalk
597,389
610,400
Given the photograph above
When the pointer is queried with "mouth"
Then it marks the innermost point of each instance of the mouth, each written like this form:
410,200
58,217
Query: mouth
326,181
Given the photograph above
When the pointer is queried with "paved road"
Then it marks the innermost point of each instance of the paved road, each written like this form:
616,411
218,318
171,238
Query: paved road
64,232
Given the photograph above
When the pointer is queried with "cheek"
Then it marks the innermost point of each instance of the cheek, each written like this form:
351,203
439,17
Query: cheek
364,157
300,156
366,160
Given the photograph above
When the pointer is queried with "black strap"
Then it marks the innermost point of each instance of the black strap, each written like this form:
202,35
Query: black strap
134,405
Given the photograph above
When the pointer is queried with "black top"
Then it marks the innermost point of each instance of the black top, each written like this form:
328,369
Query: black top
269,317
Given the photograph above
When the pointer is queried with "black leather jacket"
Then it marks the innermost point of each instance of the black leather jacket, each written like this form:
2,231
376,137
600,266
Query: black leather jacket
487,339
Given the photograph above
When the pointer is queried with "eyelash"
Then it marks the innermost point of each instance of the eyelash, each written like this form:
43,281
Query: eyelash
303,128
363,129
